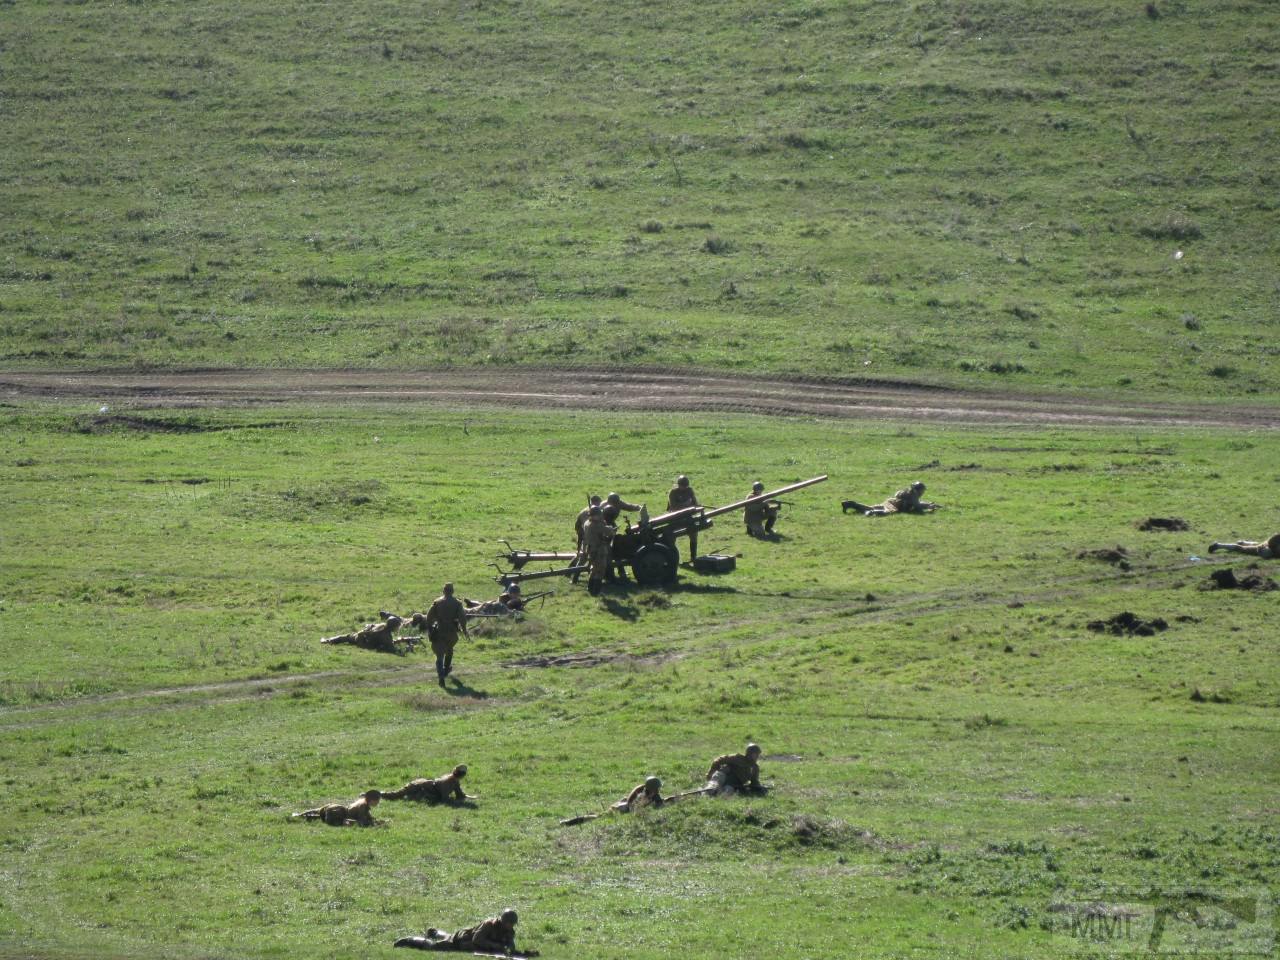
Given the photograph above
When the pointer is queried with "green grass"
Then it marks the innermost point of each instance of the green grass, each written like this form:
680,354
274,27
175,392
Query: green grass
952,751
987,193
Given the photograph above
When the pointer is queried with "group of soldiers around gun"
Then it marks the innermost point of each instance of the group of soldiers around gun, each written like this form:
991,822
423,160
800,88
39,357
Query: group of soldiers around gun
727,775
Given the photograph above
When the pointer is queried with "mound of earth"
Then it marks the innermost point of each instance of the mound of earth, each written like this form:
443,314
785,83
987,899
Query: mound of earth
1227,580
1117,556
1164,523
1128,624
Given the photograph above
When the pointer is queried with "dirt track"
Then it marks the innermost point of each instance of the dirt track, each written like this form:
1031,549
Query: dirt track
597,389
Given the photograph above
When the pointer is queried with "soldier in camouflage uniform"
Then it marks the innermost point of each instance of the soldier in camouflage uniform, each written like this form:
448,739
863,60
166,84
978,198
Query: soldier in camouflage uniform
494,935
735,772
446,789
904,501
373,636
680,497
761,515
357,813
1266,549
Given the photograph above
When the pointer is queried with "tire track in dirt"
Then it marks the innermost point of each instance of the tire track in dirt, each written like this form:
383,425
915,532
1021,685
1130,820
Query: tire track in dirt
622,390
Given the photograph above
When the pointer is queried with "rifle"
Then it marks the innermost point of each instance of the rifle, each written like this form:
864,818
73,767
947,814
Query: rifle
410,643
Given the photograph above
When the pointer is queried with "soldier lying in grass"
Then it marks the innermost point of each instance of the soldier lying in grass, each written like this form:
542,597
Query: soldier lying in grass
1266,549
647,794
357,813
904,501
735,772
373,636
446,789
495,936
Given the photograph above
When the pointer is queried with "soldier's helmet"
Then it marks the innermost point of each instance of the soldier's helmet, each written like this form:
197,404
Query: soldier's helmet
652,783
594,510
394,622
513,588
460,771
753,749
757,487
613,498
509,917
373,796
682,481
448,588
595,500
918,487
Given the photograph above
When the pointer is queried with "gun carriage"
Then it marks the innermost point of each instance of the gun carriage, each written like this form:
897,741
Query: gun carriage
648,546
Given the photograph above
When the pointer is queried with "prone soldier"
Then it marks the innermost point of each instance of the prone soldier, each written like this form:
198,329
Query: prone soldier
494,935
904,501
357,813
509,602
446,789
373,636
1266,549
735,772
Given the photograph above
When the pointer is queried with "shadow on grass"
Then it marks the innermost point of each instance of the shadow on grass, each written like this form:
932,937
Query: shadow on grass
621,610
460,689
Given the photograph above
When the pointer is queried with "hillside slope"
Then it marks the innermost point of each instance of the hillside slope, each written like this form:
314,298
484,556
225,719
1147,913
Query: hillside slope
950,192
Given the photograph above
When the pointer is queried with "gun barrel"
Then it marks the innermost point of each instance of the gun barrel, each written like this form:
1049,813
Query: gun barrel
509,578
765,496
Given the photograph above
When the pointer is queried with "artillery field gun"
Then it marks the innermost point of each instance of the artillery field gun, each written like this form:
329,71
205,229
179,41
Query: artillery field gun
649,546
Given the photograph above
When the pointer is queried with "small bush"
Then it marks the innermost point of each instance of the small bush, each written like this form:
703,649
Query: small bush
1173,228
651,226
1222,372
717,244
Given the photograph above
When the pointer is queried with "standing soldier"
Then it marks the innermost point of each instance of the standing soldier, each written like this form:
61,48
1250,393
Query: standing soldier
446,789
735,771
761,515
583,514
597,541
614,505
444,620
678,498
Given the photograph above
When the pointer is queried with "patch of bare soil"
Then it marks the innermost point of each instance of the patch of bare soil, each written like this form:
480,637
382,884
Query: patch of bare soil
1171,524
613,389
1127,624
1227,580
1117,556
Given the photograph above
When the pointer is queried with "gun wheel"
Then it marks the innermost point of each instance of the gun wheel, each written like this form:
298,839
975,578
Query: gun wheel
655,565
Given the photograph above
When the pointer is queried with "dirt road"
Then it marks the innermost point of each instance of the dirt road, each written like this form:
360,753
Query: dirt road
631,389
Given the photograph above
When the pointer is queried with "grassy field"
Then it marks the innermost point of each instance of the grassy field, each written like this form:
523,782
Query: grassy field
954,755
1041,195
